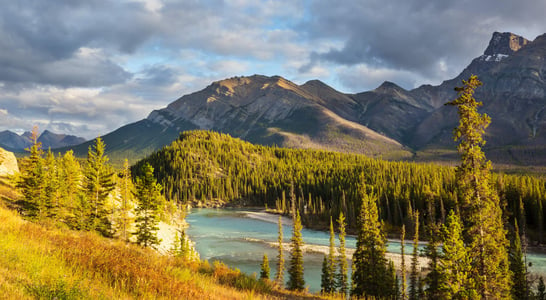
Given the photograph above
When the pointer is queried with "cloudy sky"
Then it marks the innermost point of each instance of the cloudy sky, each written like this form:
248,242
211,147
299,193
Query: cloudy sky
87,67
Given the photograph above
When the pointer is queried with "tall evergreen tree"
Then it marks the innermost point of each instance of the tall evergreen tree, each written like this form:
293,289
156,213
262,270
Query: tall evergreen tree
370,274
328,282
295,272
70,174
325,276
414,273
98,184
520,287
279,276
432,278
51,186
404,295
454,263
484,233
148,193
342,282
31,180
264,270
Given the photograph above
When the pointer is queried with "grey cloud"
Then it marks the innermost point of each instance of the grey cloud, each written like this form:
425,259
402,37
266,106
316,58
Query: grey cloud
416,35
40,41
158,75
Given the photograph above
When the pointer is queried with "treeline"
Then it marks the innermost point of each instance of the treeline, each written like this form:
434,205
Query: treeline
207,166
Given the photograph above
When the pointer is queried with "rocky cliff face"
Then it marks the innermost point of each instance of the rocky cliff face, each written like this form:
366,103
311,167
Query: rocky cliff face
505,43
8,163
513,95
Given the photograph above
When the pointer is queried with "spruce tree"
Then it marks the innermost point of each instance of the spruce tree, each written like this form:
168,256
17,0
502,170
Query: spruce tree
432,278
31,180
325,276
370,274
264,270
520,287
295,272
51,186
342,282
403,263
70,174
414,273
328,281
279,276
454,263
484,233
98,184
148,193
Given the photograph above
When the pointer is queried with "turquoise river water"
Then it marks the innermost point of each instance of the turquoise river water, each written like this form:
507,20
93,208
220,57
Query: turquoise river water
239,239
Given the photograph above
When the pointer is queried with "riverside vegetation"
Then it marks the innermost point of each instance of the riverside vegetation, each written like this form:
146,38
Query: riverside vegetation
472,213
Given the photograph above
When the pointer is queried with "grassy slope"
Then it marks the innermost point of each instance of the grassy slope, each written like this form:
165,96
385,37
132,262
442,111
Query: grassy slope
41,261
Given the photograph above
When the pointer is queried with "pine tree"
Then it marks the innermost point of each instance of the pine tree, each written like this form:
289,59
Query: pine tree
485,235
342,282
279,276
370,274
328,282
51,186
393,287
264,272
70,174
148,193
31,180
432,278
295,272
403,263
325,276
414,273
98,184
454,263
520,288
331,260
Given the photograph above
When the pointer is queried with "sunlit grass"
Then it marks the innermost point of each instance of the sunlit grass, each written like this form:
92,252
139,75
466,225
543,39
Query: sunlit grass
44,262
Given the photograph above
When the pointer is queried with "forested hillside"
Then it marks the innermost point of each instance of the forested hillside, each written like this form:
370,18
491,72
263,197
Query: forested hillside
206,166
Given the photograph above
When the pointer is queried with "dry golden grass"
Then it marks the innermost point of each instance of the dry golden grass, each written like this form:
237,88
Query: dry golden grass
44,262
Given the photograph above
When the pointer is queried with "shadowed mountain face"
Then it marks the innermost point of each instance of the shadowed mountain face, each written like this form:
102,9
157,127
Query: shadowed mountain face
387,121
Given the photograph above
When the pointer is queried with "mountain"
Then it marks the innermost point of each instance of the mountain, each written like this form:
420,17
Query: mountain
53,140
512,70
262,110
14,142
388,121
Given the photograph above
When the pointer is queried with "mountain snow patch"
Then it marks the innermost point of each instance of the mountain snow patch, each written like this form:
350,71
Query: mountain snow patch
494,57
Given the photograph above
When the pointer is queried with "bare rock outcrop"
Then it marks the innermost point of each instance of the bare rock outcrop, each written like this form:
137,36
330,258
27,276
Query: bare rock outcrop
8,163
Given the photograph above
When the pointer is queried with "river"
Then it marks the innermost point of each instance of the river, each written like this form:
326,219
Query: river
240,238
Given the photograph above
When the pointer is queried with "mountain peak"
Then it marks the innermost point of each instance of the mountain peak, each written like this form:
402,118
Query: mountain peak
505,43
388,86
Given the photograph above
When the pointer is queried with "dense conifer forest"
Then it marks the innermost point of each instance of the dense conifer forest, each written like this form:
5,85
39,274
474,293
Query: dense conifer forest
208,167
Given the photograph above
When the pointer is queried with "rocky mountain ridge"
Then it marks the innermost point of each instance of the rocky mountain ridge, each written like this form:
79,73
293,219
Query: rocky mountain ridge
389,121
14,142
